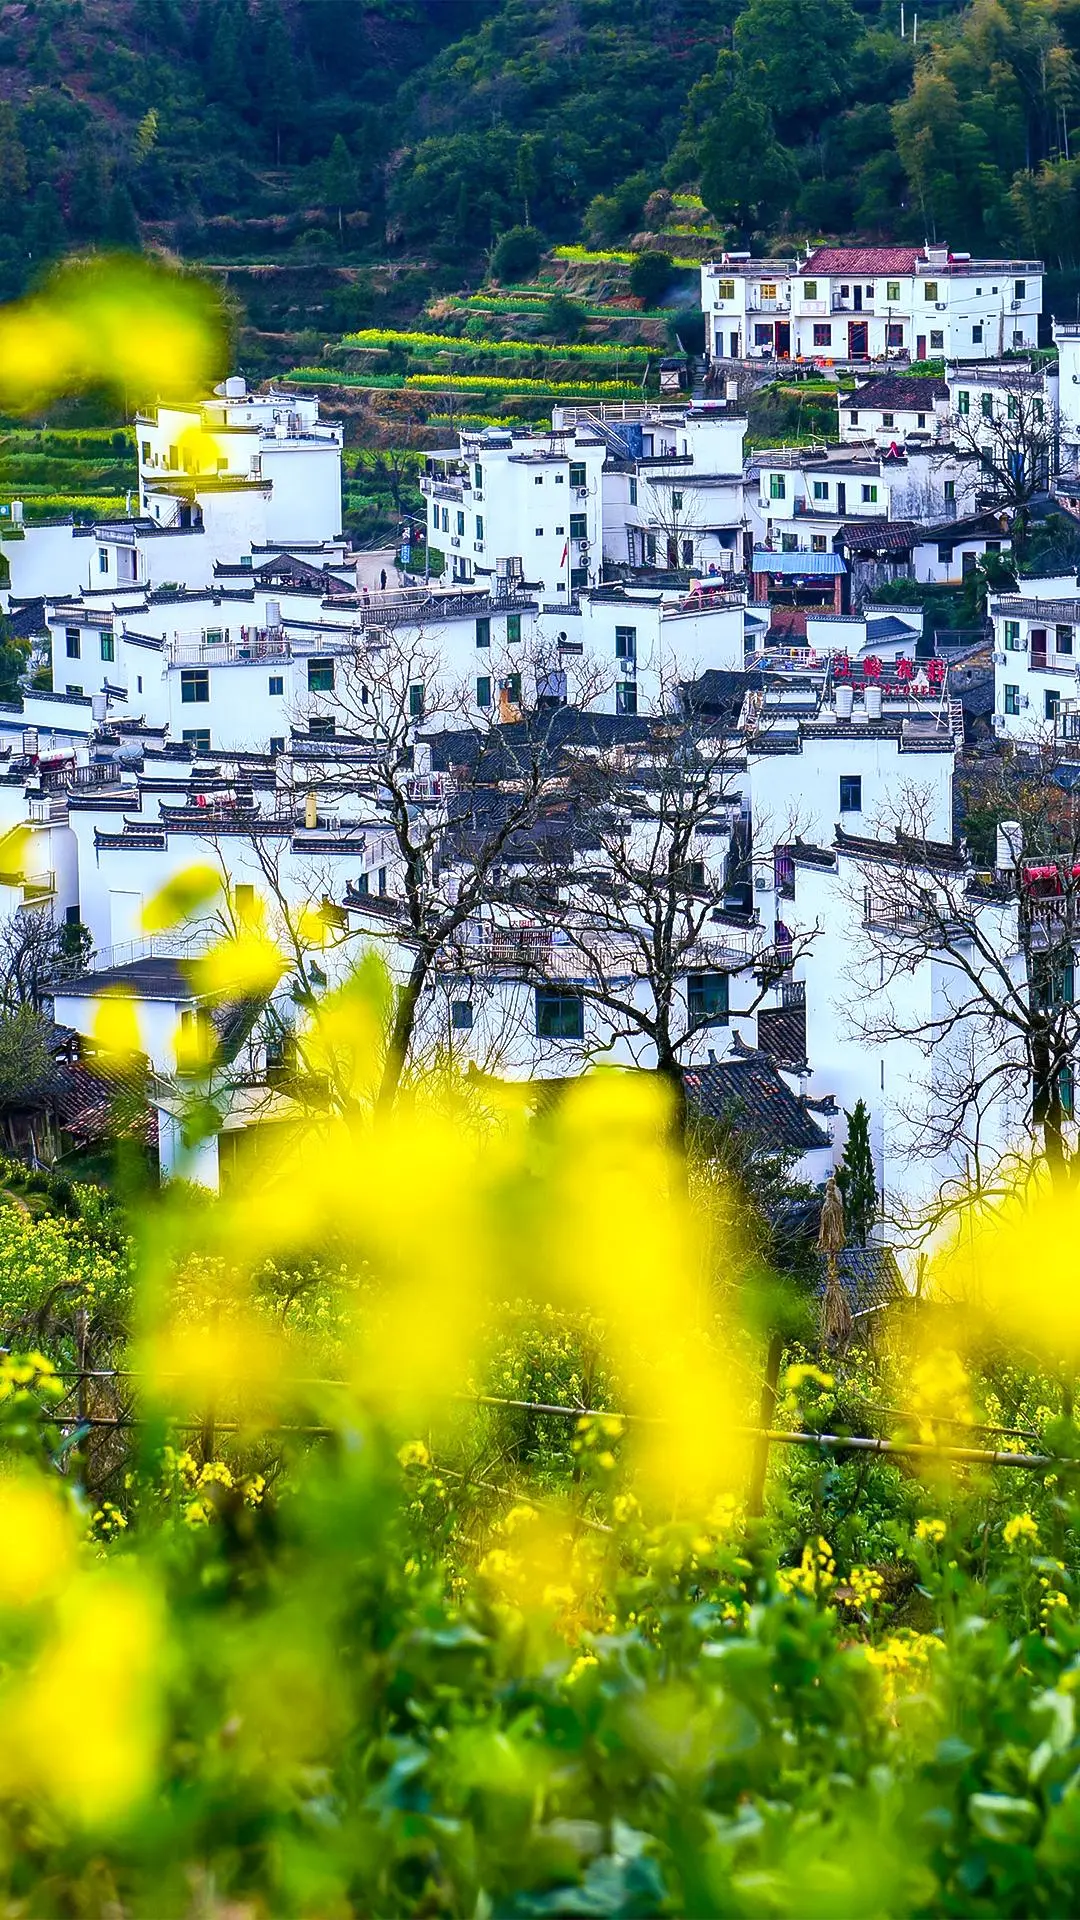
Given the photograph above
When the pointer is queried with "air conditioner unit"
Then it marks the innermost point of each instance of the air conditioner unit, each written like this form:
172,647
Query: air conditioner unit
761,885
478,496
999,659
1025,700
997,722
582,493
455,540
478,546
1015,306
941,305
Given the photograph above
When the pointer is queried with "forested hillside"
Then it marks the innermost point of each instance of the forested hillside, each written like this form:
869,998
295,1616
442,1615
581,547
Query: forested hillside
415,131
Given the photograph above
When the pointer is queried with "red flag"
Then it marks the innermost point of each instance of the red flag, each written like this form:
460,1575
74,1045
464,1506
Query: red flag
565,554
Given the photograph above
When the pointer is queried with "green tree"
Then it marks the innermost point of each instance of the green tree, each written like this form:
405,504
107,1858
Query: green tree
796,56
13,178
517,255
276,89
855,1177
45,233
339,183
25,1057
746,175
121,226
650,277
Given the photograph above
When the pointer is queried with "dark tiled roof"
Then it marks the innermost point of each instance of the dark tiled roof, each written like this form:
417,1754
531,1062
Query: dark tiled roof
151,979
720,690
889,628
782,1034
869,1276
863,260
896,392
749,1094
905,846
879,535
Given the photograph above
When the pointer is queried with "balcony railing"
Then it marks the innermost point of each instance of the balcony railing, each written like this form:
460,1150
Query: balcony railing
250,643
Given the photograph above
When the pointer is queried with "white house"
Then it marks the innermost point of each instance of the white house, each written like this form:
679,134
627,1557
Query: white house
1036,654
852,304
892,409
513,506
248,468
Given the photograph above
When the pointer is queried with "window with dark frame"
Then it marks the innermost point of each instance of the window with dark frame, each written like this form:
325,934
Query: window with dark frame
851,793
560,1014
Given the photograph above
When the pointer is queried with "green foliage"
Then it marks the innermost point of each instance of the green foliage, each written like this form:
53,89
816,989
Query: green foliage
517,254
856,1179
25,1055
650,276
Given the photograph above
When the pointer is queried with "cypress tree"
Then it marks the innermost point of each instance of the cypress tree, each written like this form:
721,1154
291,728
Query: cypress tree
855,1177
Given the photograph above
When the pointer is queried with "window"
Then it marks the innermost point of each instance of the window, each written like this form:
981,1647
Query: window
986,405
725,289
1051,704
930,290
478,477
479,526
461,1016
963,401
1021,289
633,493
888,419
320,676
626,696
1012,699
810,289
894,334
818,543
768,290
73,643
937,340
322,726
1063,639
625,643
483,690
538,479
73,687
579,526
777,486
244,900
512,688
851,793
483,632
108,647
1012,406
676,503
822,334
892,291
446,519
821,489
950,491
198,738
1013,642
560,530
763,335
513,628
920,420
277,683
944,552
869,494
707,998
577,473
789,543
559,1015
844,292
138,684
854,418
977,334
277,744
416,700
194,686
146,453
460,524
103,559
1037,409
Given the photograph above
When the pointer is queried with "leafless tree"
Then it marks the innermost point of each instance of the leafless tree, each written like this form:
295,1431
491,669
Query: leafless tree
1010,427
995,1021
35,954
390,691
639,914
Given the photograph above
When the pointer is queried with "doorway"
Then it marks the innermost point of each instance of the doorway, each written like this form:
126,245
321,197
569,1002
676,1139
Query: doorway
858,340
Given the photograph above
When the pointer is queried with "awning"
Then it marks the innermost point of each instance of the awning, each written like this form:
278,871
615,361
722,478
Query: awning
799,564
